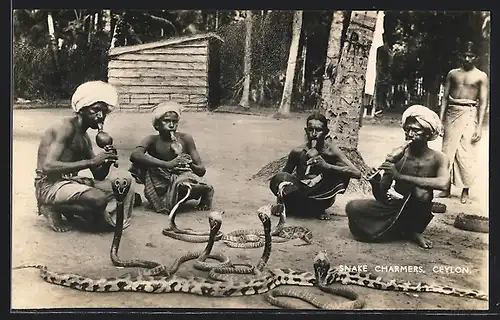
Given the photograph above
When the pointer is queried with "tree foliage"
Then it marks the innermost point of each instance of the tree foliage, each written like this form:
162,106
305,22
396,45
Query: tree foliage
424,48
426,44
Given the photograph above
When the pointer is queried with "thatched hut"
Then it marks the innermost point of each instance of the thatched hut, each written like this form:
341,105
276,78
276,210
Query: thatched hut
185,69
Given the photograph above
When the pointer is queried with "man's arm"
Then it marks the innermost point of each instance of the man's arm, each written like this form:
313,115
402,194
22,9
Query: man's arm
52,165
196,164
99,172
346,167
140,157
292,161
380,187
446,94
483,98
440,182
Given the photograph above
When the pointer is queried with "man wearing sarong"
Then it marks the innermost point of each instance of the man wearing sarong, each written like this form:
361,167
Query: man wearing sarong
66,149
166,172
403,195
462,112
321,172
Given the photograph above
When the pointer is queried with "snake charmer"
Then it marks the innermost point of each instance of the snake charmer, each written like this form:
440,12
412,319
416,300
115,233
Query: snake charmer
64,150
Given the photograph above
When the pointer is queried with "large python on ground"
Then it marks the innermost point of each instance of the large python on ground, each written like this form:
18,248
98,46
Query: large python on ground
334,275
201,286
323,277
173,283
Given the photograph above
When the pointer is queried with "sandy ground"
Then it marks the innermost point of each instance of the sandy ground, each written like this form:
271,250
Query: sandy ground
234,147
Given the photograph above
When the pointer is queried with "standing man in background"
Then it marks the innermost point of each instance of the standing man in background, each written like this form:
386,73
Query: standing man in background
462,113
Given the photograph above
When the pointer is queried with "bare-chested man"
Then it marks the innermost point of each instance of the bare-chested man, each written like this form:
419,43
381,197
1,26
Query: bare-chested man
404,210
165,171
322,172
66,149
462,113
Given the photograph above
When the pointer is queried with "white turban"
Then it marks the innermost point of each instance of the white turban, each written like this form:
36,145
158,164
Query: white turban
94,91
426,117
164,107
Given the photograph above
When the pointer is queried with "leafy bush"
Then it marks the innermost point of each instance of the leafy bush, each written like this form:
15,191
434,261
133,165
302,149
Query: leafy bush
34,74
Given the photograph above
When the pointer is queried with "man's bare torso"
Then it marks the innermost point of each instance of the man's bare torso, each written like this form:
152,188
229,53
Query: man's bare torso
161,149
77,144
301,159
426,165
466,84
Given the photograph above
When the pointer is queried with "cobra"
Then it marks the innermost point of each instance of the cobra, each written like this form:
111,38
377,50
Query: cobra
185,234
320,265
264,214
121,187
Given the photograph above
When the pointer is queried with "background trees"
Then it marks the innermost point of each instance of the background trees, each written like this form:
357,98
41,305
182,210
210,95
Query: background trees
421,47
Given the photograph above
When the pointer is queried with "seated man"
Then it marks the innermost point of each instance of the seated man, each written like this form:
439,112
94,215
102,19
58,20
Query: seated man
322,171
163,169
416,173
64,150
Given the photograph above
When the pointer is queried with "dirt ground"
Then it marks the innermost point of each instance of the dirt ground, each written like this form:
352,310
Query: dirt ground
234,147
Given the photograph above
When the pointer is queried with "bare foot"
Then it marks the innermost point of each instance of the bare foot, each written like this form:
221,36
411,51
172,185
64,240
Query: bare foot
206,199
464,198
203,207
277,209
137,200
164,211
421,241
55,220
324,216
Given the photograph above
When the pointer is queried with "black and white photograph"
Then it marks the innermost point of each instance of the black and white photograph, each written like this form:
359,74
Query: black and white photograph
250,159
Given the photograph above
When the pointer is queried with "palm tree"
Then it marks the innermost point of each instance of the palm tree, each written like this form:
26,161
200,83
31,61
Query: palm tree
247,62
332,56
284,108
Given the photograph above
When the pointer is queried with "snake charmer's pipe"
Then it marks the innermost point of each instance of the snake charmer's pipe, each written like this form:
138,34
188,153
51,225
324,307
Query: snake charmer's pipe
104,140
313,146
176,146
392,157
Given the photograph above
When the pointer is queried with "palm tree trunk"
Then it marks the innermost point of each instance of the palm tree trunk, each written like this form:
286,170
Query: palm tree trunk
107,20
53,42
332,58
344,109
286,99
244,102
342,101
114,36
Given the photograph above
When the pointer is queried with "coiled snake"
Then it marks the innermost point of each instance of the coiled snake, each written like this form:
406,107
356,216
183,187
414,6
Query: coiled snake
264,282
264,214
249,238
185,234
